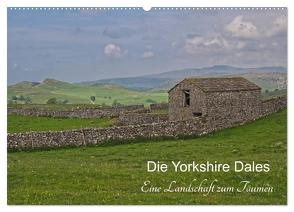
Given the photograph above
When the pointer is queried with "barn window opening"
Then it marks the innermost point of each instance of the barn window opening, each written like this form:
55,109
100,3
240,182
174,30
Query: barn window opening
186,97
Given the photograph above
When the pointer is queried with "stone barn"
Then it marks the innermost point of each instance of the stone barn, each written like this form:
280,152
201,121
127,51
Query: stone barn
235,99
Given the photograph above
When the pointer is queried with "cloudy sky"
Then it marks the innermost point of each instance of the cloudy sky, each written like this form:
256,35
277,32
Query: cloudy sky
82,45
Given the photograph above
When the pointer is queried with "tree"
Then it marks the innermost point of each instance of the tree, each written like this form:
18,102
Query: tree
27,100
116,103
52,101
93,98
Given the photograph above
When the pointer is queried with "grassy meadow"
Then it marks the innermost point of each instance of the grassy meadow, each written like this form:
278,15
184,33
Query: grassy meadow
114,174
17,123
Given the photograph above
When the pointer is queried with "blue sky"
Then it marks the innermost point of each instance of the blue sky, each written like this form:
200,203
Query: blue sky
85,45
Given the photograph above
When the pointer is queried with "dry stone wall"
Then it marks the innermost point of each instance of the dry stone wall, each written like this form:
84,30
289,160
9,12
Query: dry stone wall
273,105
76,113
83,137
159,106
129,118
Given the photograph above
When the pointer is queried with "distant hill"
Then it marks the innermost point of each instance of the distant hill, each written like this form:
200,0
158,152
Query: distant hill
135,83
269,80
139,90
276,93
40,92
217,70
165,80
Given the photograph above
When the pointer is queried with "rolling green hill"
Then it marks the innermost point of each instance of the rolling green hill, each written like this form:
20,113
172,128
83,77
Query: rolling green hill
114,174
39,93
276,93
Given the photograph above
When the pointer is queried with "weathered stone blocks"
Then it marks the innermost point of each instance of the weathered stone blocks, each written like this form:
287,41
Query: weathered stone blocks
76,113
129,118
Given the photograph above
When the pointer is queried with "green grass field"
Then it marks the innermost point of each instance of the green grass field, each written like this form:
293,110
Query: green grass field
114,174
17,123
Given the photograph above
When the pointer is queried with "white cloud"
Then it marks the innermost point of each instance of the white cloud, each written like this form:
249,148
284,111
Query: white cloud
242,29
114,51
198,44
279,25
147,54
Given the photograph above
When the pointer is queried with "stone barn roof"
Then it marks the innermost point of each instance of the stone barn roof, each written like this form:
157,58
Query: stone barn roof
221,84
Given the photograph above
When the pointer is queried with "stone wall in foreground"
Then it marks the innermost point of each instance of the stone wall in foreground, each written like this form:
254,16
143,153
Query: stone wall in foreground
84,137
